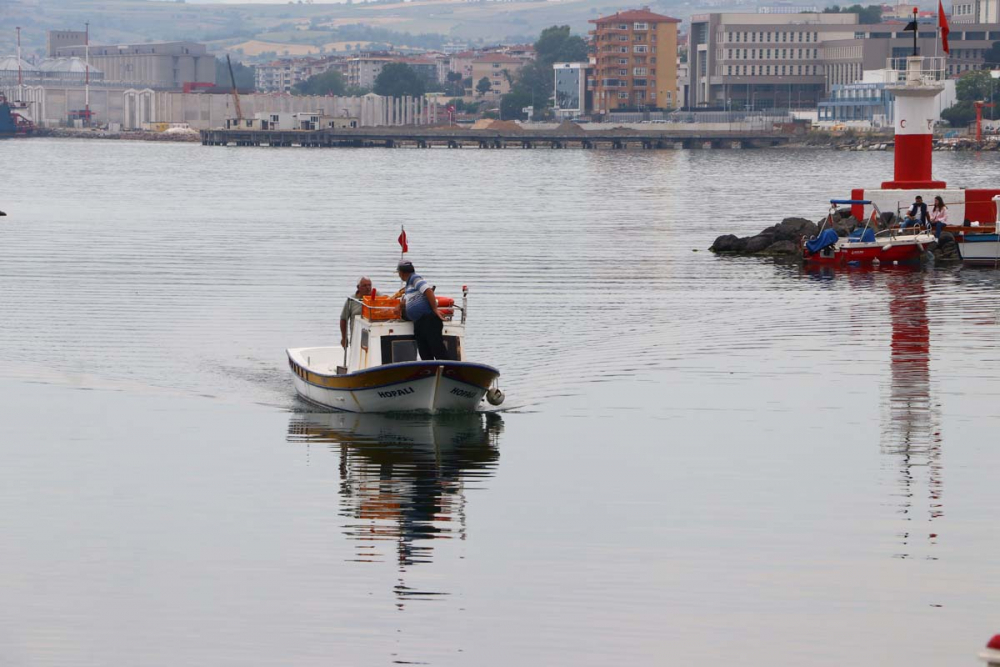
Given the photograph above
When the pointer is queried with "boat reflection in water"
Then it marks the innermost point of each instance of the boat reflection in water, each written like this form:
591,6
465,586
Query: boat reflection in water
403,478
911,431
910,435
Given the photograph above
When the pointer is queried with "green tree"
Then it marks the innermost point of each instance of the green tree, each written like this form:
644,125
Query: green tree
484,86
512,103
959,114
329,82
867,15
399,80
245,75
535,81
992,55
974,86
557,44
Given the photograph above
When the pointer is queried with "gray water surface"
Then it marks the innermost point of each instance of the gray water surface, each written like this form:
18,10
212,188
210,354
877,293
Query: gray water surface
704,459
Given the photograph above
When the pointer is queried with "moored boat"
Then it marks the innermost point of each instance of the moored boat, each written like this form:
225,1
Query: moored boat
980,245
865,246
380,371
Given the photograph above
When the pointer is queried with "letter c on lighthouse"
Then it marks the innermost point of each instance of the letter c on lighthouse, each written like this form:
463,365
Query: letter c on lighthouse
902,122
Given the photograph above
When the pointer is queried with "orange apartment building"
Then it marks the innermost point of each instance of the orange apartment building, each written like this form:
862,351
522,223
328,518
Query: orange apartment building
635,61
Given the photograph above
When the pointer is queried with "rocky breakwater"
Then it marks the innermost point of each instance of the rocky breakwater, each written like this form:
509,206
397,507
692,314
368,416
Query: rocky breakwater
785,239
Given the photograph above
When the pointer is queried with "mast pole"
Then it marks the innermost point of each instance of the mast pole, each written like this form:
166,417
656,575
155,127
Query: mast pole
86,87
20,81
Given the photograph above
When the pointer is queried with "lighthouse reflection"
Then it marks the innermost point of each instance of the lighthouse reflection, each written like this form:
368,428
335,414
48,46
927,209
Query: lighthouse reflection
403,478
911,432
910,426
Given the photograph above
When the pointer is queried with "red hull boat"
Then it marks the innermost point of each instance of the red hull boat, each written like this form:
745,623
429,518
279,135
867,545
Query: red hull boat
864,247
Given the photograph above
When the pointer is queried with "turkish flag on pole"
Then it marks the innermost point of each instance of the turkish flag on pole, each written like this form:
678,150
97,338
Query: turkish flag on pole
402,240
943,24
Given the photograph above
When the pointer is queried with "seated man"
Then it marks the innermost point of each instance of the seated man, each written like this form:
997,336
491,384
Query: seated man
352,308
917,214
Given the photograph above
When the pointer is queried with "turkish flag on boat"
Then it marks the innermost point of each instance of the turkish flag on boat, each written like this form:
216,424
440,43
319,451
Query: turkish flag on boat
402,241
943,24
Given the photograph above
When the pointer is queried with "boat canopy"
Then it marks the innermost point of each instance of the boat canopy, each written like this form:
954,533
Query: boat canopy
850,201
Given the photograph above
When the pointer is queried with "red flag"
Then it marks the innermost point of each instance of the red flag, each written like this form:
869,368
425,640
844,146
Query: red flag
402,241
943,24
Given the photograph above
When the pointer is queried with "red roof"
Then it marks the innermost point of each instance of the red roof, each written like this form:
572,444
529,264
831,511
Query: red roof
636,15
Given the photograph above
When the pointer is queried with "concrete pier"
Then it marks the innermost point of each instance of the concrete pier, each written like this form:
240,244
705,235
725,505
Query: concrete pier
449,137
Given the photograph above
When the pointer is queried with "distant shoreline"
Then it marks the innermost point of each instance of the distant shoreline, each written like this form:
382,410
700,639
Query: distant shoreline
864,143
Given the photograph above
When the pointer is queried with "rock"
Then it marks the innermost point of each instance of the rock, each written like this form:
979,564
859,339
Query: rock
793,229
947,249
757,243
844,226
844,213
729,243
783,248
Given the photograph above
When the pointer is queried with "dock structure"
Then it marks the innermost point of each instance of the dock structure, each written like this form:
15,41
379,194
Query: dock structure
423,137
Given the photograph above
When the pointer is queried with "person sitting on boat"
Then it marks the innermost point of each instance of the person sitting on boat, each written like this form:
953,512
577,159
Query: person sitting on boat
939,216
917,215
352,308
420,307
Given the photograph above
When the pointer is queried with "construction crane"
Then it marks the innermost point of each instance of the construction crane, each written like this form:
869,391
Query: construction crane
979,118
236,93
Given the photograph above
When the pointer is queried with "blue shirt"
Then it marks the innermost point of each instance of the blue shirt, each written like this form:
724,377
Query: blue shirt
416,301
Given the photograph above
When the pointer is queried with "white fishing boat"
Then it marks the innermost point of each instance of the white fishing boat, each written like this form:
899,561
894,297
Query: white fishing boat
381,371
981,245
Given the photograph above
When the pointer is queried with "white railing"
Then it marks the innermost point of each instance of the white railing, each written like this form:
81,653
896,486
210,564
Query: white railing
916,70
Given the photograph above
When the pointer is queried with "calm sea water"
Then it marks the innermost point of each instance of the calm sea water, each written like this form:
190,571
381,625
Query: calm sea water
703,459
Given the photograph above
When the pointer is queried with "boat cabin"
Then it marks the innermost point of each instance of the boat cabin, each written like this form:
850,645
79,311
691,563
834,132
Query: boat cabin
380,336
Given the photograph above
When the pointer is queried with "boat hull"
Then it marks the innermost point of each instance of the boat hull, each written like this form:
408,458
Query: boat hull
980,249
415,386
867,253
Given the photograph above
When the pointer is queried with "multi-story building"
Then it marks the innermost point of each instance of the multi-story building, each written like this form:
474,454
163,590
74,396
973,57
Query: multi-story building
570,89
870,101
976,11
756,61
422,65
280,76
163,65
635,61
786,8
364,69
498,69
762,61
461,62
57,39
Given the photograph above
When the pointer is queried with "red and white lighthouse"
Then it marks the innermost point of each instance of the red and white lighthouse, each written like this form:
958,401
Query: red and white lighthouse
916,82
916,112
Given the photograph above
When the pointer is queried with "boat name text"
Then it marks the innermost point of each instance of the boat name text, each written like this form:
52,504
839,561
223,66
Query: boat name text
396,392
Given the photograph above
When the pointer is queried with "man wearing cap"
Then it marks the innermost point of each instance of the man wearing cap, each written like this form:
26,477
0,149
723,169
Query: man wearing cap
352,308
421,308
